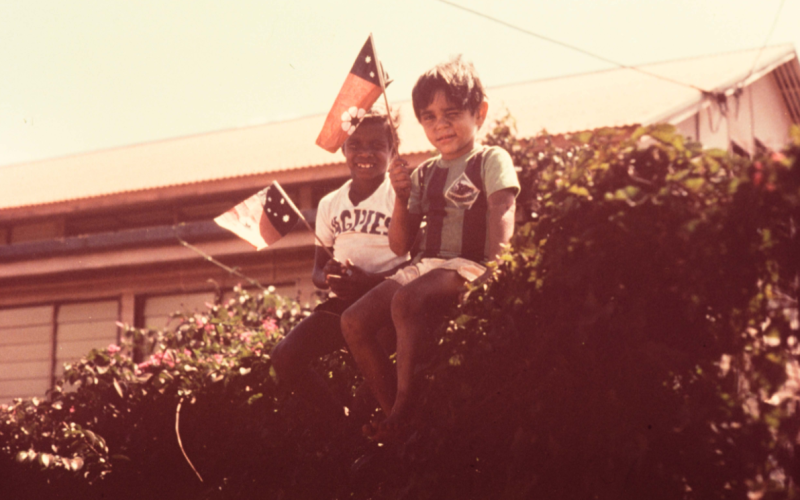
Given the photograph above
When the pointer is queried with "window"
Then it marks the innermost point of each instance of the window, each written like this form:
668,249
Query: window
35,342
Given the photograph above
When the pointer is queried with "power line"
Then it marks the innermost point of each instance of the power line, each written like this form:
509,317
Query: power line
766,40
572,47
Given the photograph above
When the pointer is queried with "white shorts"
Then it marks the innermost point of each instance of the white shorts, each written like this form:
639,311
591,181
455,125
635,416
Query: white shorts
467,269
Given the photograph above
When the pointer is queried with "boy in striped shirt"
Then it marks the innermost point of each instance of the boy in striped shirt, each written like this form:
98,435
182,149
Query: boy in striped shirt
466,197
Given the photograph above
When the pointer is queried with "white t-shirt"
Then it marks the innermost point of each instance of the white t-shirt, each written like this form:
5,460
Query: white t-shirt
359,232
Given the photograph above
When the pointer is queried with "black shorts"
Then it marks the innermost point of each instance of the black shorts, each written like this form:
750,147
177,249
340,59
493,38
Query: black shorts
334,305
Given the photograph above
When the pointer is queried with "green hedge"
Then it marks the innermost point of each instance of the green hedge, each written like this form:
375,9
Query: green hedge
634,344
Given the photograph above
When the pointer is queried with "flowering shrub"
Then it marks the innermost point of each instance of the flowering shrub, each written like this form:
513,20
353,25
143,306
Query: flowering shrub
109,425
639,340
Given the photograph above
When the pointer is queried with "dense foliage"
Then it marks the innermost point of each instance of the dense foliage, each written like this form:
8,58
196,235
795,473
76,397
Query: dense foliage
635,343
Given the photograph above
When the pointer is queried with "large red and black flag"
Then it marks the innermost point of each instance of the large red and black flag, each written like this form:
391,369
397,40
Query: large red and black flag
262,219
360,91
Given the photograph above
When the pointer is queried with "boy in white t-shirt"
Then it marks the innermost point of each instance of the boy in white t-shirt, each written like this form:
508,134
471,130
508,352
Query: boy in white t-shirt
353,222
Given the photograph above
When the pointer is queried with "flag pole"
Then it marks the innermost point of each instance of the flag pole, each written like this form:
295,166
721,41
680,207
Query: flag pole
299,213
379,65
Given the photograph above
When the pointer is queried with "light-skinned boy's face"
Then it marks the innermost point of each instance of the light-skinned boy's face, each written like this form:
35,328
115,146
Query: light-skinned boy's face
451,129
368,151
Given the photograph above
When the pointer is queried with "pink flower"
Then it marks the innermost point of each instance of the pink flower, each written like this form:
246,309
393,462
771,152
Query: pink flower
72,409
169,359
246,336
269,325
113,348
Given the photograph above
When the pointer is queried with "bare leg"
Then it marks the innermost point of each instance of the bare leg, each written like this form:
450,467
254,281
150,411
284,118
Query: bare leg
360,325
416,309
317,335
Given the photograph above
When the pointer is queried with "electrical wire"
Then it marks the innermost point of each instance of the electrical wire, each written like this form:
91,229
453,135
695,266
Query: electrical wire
572,47
766,40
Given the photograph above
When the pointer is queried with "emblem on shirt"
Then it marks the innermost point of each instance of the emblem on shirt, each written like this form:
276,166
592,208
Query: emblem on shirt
463,192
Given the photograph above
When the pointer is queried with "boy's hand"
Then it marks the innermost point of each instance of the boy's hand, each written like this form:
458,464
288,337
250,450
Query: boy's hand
400,175
333,268
351,283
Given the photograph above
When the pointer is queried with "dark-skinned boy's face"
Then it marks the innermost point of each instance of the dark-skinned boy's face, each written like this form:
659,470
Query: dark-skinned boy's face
368,151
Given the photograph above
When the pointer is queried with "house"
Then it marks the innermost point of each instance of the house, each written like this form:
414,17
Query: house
120,235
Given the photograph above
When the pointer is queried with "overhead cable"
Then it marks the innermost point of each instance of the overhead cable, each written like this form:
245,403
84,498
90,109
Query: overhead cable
766,40
573,47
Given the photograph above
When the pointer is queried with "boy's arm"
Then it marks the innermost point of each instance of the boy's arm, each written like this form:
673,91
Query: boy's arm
405,225
500,220
501,180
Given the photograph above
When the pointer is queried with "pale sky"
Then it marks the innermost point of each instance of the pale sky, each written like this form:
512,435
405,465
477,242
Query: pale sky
83,75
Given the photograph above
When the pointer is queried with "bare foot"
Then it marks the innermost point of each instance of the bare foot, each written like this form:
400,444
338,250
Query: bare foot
393,429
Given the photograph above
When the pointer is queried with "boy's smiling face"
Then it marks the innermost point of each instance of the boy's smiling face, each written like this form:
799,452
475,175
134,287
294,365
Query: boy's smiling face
368,151
451,129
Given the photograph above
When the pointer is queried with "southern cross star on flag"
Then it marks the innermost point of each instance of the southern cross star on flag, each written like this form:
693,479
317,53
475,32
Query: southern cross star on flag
262,219
361,89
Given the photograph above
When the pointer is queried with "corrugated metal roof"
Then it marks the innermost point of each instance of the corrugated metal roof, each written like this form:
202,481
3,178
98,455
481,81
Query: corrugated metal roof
581,102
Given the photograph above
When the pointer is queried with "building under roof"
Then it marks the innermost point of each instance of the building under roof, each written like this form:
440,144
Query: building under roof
93,239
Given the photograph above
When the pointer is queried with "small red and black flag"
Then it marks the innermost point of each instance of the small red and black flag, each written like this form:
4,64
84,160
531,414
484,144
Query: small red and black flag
262,219
361,89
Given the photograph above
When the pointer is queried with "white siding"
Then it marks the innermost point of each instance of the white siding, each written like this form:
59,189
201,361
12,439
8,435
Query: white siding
772,121
83,327
157,309
26,350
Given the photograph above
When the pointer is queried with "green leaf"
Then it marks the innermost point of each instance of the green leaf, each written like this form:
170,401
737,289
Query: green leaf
695,183
639,132
118,388
463,319
580,191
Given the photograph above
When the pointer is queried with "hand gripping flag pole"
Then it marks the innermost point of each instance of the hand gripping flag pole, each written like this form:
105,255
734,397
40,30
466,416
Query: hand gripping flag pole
264,218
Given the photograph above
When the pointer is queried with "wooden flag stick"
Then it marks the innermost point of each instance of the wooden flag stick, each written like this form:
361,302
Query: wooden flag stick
299,213
379,65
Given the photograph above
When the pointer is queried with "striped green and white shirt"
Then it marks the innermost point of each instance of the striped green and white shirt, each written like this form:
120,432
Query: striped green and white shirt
451,195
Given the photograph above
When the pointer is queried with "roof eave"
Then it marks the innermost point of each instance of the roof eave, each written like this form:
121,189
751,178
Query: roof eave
699,102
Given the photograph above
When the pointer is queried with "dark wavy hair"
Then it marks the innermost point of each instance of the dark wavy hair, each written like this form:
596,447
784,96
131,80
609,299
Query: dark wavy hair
457,78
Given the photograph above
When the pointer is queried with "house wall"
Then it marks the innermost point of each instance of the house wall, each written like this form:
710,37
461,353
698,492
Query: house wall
56,306
772,121
49,320
757,113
